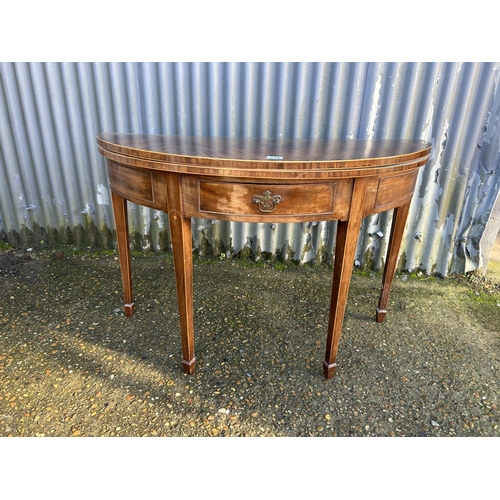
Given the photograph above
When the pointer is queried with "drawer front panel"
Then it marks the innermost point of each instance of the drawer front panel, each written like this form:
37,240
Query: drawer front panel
394,190
257,199
131,183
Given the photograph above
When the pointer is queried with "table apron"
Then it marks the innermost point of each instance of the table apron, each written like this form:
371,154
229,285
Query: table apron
260,201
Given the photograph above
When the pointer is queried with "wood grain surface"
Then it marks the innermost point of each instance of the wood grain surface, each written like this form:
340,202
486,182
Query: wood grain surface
249,157
263,180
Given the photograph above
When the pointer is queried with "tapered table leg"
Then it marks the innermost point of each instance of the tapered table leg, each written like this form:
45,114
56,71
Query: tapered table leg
180,231
122,237
345,250
397,230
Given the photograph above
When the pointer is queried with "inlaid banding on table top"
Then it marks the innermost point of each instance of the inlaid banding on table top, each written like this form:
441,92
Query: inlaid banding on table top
244,153
293,171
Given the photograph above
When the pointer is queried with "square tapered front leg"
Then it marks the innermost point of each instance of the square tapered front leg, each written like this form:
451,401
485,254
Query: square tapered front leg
122,238
345,250
180,231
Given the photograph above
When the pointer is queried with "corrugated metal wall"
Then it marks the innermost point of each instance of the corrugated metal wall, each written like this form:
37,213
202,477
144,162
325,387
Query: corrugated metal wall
53,184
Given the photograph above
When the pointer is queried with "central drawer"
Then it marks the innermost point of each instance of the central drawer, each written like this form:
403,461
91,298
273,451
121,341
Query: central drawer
269,202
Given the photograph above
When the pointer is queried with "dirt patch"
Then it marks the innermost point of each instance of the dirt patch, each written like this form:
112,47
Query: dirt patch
493,271
71,364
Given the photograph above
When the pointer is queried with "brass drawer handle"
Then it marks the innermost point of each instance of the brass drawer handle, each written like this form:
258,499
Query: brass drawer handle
266,202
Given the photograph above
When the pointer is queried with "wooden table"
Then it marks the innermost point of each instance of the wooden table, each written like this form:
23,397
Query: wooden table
262,180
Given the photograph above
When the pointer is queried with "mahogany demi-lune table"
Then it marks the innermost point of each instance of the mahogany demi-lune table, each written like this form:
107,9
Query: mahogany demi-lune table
262,180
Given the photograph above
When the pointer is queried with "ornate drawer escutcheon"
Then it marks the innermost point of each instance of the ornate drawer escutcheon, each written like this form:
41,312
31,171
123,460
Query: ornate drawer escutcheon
266,202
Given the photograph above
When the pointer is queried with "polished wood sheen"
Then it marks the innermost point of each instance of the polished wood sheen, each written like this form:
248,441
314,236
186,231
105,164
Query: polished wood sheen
263,180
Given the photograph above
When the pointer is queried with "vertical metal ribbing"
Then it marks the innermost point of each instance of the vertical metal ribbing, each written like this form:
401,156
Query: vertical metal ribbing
8,157
51,112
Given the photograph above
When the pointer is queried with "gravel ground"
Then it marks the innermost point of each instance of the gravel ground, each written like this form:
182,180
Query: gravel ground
71,364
